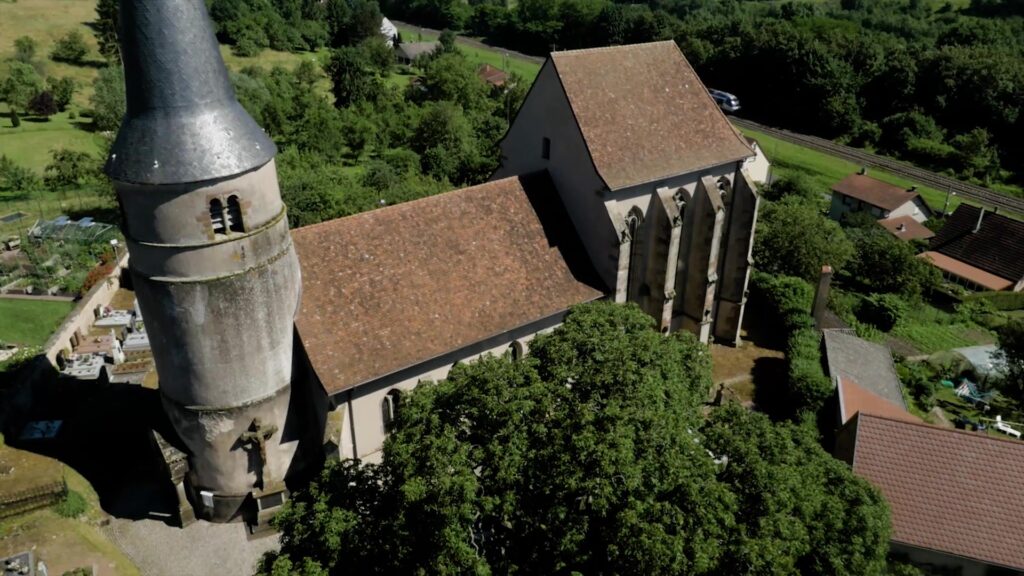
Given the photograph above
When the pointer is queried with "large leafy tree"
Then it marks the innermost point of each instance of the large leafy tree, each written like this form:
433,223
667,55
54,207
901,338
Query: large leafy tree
590,456
1011,351
884,264
795,239
108,99
20,86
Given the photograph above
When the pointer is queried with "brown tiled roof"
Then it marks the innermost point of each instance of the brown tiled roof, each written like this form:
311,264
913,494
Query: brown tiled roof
953,491
492,75
854,398
874,192
391,288
997,247
966,271
644,114
906,228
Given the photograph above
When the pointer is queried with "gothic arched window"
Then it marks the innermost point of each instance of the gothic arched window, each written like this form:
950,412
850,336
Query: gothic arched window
389,408
217,217
235,223
634,221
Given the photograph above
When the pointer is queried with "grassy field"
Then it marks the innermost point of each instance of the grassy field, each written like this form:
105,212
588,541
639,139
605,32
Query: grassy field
495,57
30,322
825,170
30,144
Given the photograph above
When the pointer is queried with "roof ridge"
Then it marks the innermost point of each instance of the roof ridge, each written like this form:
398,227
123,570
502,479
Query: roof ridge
409,203
934,427
610,48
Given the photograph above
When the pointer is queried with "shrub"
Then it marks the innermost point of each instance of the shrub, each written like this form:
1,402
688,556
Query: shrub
70,48
883,311
96,275
1003,301
43,104
72,506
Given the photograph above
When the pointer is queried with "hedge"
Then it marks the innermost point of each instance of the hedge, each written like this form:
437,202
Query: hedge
788,300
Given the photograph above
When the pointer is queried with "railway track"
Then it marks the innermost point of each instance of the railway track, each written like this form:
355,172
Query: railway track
978,194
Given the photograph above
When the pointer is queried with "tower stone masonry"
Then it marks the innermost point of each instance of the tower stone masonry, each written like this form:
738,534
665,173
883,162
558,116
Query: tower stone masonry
211,259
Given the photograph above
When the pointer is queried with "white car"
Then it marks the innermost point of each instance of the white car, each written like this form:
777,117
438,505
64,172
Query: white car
725,101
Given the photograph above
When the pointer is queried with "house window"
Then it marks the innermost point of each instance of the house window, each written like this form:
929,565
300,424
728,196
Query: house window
217,217
545,149
234,215
389,408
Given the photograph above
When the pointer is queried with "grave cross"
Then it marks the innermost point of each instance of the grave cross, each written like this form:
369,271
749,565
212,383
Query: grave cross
257,437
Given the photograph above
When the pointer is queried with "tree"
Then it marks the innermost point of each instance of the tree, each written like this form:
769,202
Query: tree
108,99
589,456
21,85
352,77
70,48
69,169
105,30
794,239
17,179
63,90
43,104
884,264
25,49
1011,351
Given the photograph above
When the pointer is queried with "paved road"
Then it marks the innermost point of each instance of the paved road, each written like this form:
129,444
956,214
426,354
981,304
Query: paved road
978,194
467,41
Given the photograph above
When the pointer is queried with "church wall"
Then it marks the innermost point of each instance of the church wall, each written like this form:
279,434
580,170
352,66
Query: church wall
363,432
742,204
546,114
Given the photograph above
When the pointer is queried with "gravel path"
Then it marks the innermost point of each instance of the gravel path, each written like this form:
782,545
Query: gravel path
203,548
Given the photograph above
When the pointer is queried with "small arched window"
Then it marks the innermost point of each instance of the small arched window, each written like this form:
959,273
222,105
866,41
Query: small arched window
634,221
235,223
389,408
515,351
217,217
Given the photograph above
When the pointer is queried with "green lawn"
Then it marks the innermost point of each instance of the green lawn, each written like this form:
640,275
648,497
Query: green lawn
30,144
825,170
493,56
30,322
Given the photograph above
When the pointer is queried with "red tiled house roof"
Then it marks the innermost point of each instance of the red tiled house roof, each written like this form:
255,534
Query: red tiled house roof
644,114
854,398
388,289
874,192
959,493
997,247
906,228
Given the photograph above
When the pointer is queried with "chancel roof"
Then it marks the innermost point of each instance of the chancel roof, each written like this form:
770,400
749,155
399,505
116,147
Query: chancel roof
391,288
644,114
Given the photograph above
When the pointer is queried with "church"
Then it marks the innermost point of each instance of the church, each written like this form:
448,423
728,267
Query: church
620,179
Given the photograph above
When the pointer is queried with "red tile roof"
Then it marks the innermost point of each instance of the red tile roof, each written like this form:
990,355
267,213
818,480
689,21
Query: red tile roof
966,271
906,228
874,192
644,114
492,75
997,247
957,492
854,398
391,288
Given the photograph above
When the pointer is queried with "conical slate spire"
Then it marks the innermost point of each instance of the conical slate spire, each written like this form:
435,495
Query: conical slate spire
183,122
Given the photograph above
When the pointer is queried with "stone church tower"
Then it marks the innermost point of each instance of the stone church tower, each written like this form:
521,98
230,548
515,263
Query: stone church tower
212,261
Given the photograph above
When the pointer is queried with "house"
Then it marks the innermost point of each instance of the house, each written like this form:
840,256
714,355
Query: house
389,31
864,374
900,211
956,497
492,75
408,52
980,250
757,165
663,217
653,176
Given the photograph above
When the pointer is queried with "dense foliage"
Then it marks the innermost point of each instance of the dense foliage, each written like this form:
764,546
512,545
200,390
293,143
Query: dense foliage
1011,350
589,456
923,80
795,239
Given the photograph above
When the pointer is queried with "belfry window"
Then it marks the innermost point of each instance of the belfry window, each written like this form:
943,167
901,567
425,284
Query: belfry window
389,408
234,215
545,148
217,217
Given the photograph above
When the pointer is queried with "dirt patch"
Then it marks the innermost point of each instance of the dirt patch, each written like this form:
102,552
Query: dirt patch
123,299
901,347
21,471
735,365
63,544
